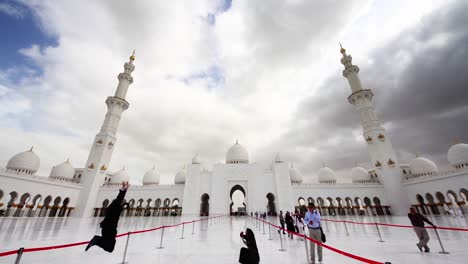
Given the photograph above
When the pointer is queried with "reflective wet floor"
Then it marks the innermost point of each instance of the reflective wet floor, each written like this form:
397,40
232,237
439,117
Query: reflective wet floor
218,241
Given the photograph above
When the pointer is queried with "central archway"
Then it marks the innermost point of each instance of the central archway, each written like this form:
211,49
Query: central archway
237,195
205,205
271,204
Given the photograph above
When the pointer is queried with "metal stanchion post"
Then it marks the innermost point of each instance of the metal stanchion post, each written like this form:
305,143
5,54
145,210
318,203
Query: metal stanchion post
378,231
183,227
269,232
440,242
193,227
126,247
281,241
162,235
346,227
263,227
18,255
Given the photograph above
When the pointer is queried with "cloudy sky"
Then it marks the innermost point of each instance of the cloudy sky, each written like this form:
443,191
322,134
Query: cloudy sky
209,72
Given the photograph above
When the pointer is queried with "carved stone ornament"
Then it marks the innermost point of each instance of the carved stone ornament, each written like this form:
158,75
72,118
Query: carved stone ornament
369,139
390,162
381,137
378,164
111,144
103,167
100,141
91,166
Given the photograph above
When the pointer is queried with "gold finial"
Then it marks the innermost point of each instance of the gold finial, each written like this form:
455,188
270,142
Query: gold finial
342,50
132,58
31,149
455,141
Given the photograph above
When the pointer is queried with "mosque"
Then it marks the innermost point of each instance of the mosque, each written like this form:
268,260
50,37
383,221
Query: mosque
387,187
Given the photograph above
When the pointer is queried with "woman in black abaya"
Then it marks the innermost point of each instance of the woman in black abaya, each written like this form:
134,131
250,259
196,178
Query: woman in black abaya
250,254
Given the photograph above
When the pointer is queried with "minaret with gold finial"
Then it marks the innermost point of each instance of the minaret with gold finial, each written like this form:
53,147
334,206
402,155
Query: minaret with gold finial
380,149
104,142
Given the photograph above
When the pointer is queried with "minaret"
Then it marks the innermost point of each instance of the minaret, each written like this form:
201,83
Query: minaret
378,144
104,142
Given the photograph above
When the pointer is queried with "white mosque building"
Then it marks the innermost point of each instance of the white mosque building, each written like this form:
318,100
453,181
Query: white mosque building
386,187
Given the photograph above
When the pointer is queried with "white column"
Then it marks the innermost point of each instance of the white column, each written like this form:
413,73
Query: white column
103,145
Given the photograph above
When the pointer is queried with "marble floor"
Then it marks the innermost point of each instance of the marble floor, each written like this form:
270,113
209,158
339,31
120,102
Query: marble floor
219,242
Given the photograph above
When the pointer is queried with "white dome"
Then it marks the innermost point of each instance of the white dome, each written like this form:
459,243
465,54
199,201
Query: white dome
295,175
63,170
196,160
360,174
120,177
326,174
180,177
237,154
458,154
422,165
278,158
27,162
151,177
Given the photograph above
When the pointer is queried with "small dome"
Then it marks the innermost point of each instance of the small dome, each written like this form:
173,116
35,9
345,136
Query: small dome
27,162
278,158
63,170
196,160
180,177
151,177
458,154
360,174
237,154
295,175
120,177
326,174
422,166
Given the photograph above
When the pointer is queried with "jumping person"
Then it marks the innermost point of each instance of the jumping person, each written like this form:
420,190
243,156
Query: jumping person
109,224
417,220
312,220
250,254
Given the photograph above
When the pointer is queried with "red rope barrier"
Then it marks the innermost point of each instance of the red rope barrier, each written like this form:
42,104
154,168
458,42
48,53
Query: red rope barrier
12,252
344,253
396,225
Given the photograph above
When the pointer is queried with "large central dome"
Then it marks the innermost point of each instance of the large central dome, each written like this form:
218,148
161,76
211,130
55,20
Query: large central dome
237,154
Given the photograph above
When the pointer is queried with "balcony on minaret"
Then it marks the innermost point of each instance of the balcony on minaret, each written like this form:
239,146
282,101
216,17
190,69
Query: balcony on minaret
356,96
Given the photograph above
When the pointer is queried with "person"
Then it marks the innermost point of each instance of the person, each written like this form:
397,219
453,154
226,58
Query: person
281,219
312,220
417,220
298,219
290,225
110,222
250,254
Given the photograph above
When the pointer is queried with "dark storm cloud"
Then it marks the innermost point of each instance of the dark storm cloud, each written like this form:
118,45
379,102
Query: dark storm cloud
420,82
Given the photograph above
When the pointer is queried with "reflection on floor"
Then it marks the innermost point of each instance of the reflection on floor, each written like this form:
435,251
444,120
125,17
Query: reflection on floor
219,241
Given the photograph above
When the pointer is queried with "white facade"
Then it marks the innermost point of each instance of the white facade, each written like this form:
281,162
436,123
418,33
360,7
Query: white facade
386,187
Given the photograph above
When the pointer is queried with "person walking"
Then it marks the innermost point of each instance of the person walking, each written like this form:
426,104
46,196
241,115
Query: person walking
299,223
109,225
290,225
417,220
281,219
312,220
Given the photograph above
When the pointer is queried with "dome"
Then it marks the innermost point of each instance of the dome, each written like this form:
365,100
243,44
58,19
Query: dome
326,174
26,162
120,176
180,177
196,160
458,154
237,154
151,177
278,158
422,166
63,170
295,175
360,174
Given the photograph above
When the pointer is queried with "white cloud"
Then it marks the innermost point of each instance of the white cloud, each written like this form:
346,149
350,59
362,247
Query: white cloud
272,54
12,10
